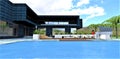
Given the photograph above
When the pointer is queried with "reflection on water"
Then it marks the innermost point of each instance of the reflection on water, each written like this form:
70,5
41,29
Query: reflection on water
63,49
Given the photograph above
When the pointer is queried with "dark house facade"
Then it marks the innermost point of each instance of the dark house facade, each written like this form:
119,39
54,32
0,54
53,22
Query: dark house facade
19,20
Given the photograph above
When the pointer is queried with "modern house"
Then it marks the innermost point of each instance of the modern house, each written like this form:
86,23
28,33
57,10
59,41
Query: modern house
19,20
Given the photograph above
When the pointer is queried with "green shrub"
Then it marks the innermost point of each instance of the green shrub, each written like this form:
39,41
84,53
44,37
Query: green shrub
36,32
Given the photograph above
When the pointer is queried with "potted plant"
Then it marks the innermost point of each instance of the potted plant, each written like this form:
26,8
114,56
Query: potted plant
36,34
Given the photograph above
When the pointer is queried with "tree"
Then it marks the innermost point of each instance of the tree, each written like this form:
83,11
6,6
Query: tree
94,26
114,22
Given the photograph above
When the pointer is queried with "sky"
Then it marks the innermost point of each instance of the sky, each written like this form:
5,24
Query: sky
91,11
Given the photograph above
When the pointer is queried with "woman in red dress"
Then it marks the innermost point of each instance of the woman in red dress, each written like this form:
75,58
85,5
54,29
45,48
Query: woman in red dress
93,33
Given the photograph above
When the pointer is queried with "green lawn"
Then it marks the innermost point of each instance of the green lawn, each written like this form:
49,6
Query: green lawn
113,37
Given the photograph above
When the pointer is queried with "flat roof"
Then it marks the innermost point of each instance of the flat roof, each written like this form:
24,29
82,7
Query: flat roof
58,17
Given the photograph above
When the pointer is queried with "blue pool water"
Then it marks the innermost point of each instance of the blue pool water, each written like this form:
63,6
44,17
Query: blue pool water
73,49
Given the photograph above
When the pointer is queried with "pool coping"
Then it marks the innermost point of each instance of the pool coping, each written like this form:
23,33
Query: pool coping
7,41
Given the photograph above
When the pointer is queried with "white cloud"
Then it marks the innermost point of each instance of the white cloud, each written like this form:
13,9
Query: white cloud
82,2
50,6
93,11
63,7
18,1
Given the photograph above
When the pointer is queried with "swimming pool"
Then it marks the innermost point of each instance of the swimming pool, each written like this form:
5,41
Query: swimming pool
63,49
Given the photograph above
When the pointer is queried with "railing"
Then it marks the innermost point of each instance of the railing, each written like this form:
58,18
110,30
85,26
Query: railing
74,36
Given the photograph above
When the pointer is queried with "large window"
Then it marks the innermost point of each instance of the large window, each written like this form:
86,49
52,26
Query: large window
5,30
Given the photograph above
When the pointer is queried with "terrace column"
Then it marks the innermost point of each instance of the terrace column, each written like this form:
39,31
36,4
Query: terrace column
68,30
79,23
49,31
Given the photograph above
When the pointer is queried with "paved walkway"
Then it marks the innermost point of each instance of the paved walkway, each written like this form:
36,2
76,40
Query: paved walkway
6,41
28,38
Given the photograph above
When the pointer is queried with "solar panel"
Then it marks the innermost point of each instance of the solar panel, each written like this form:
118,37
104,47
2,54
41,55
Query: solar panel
105,29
